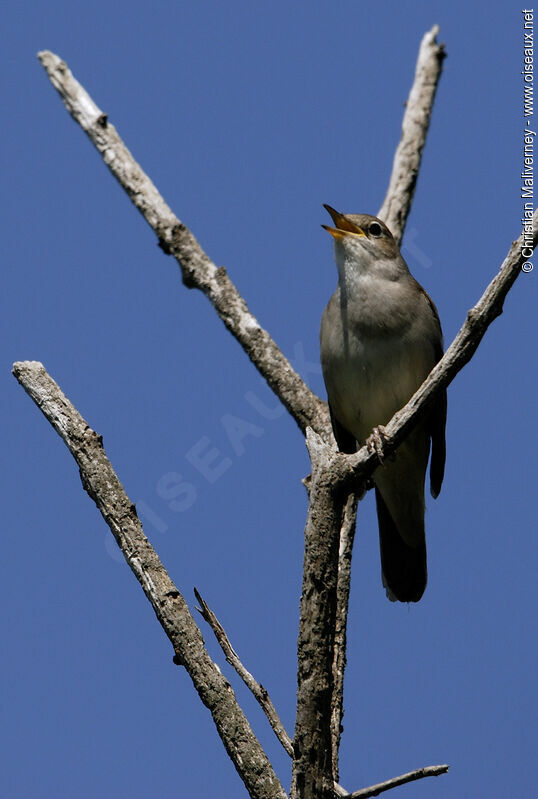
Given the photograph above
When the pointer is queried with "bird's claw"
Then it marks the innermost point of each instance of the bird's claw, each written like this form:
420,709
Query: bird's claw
376,442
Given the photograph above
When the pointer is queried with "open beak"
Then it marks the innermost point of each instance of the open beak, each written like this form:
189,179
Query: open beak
343,225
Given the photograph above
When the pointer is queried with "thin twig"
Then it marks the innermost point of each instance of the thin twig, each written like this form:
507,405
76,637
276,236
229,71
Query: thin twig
375,790
416,121
102,484
197,269
259,692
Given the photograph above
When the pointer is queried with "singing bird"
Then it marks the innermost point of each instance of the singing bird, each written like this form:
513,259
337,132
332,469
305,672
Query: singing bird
380,338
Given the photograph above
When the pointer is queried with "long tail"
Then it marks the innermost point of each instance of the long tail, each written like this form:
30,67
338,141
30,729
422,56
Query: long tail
404,569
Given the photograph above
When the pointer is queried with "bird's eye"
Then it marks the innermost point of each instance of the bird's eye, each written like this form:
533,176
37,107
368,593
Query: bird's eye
375,229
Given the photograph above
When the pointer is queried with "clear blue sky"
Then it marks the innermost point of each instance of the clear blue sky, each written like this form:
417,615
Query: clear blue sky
248,117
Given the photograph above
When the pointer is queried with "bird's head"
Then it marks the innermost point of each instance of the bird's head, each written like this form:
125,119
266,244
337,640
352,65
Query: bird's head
361,236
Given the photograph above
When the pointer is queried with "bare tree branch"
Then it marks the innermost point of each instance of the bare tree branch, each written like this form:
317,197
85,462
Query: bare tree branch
259,692
347,535
312,776
416,121
102,484
375,790
197,269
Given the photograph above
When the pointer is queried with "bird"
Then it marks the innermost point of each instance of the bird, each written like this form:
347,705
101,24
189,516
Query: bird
380,337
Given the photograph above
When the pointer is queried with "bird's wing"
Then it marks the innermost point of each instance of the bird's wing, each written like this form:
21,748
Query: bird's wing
437,432
437,420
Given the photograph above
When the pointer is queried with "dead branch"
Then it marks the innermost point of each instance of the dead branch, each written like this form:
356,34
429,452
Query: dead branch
102,484
259,692
175,239
347,536
416,121
312,775
411,776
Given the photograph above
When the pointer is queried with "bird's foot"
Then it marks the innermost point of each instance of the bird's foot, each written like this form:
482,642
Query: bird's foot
376,442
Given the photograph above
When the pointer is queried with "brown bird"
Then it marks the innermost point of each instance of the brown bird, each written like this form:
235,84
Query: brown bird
380,338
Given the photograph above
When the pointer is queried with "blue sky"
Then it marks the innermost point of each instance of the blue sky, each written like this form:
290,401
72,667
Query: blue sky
248,117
